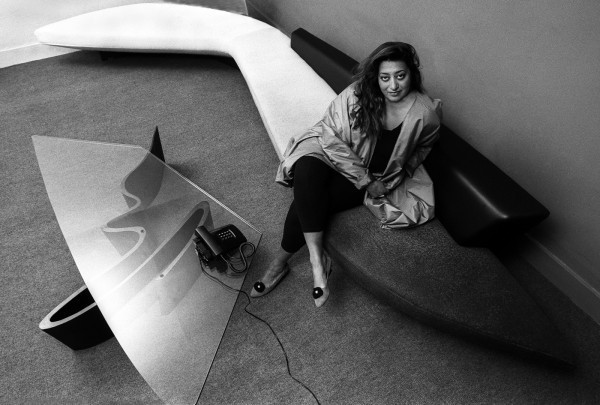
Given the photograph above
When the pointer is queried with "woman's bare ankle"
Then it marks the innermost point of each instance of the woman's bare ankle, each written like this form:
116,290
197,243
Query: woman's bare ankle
278,264
316,263
318,276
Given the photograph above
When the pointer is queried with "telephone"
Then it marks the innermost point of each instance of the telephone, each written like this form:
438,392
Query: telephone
223,243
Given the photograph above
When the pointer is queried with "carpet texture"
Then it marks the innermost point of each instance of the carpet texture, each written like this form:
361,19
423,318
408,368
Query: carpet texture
355,350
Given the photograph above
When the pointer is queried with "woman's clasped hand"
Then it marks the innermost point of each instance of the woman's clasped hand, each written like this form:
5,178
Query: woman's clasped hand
377,189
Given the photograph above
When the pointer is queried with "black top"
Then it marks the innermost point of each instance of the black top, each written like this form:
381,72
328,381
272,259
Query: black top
383,149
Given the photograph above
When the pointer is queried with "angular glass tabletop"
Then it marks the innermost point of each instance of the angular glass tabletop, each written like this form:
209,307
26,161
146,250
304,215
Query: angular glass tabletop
129,222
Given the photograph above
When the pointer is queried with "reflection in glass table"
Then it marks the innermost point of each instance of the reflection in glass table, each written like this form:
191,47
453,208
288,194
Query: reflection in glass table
133,225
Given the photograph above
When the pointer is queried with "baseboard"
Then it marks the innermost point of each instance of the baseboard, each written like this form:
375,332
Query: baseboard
29,53
585,295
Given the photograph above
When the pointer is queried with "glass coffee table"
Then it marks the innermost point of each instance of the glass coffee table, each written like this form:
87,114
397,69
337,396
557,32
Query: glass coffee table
134,227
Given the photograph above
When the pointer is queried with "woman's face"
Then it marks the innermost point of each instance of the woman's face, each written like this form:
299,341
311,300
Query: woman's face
394,80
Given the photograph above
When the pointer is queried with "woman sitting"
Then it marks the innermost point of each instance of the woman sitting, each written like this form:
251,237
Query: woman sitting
373,137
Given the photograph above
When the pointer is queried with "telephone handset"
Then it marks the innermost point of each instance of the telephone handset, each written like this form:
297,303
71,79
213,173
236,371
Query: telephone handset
221,242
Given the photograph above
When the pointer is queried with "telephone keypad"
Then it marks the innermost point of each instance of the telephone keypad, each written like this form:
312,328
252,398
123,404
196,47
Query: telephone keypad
226,234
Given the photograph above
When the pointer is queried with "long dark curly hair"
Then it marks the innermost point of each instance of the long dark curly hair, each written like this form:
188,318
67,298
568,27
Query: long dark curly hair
369,113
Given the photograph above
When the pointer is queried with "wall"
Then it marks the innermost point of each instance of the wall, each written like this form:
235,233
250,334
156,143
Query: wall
519,80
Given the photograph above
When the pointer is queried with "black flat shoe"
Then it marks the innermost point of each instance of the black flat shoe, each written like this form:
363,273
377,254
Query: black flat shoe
266,285
321,294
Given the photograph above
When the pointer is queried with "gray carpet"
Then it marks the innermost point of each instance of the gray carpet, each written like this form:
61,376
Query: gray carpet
354,350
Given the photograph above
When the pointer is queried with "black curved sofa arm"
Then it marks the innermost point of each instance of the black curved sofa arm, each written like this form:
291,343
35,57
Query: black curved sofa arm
334,66
478,204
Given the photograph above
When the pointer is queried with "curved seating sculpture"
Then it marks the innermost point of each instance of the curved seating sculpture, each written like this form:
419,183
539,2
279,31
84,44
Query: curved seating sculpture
275,74
426,272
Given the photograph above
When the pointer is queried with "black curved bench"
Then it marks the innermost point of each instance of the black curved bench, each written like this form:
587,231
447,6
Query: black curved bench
443,273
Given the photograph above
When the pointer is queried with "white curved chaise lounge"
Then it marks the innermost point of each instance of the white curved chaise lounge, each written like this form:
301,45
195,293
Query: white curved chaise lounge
289,95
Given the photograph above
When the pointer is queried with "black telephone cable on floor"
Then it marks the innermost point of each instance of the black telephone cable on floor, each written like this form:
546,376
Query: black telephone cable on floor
232,260
287,362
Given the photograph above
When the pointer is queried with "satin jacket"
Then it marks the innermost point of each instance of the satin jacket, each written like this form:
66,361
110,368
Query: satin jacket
348,150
